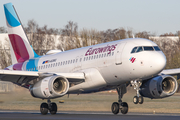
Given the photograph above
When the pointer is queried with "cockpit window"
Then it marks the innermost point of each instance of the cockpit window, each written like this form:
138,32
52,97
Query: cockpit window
145,48
134,50
139,49
148,48
157,48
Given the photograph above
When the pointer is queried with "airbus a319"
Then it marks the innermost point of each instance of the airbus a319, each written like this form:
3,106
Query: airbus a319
112,65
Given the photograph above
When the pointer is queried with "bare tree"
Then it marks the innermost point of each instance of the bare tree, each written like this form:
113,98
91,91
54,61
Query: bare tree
3,30
143,34
5,55
68,36
42,39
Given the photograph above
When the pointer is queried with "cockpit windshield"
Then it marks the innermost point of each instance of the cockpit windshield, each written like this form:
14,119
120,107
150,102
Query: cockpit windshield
145,48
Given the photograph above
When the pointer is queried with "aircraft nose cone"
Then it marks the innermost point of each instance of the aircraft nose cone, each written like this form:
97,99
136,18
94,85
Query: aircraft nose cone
159,62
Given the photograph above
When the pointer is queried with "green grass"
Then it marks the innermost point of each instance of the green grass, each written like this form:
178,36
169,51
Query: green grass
90,102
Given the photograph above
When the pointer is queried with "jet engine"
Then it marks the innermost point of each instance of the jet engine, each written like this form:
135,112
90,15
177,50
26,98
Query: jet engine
159,87
50,87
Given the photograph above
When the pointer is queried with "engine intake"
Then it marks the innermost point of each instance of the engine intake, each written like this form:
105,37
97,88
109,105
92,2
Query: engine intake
50,87
168,85
159,87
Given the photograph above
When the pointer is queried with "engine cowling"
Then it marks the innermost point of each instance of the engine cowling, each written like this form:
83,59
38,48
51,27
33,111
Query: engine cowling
50,87
159,87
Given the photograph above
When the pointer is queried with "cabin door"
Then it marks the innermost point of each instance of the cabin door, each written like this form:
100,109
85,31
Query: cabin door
118,57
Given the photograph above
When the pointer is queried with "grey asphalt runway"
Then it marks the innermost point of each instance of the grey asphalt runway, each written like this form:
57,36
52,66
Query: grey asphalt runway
35,115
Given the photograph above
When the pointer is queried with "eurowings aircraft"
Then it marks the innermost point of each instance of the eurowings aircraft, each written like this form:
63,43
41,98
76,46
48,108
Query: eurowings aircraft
112,65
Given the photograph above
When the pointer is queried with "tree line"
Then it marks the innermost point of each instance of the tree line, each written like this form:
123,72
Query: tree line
69,37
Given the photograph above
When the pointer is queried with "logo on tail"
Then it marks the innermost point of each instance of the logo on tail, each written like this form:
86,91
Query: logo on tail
20,47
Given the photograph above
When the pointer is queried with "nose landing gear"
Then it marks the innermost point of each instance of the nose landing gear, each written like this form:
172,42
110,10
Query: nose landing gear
51,106
137,99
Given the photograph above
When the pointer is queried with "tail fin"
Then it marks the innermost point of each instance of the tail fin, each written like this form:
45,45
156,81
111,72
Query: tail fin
20,47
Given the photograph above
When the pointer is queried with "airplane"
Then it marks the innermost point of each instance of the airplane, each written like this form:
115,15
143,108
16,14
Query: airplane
112,65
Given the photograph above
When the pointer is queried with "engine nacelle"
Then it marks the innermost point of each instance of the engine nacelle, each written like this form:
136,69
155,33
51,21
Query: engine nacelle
159,87
50,87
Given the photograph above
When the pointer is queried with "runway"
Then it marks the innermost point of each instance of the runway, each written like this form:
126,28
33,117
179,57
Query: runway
35,115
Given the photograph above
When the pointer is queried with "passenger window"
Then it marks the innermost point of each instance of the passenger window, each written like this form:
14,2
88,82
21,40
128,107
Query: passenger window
148,48
94,56
134,50
157,48
112,53
139,49
97,56
104,54
84,58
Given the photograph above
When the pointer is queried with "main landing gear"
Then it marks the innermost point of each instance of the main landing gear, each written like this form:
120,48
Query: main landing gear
49,106
137,99
122,106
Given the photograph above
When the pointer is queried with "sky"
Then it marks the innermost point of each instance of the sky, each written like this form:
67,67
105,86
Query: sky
155,16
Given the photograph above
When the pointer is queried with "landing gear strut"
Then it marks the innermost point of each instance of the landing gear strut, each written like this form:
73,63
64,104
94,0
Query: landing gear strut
51,106
137,99
123,106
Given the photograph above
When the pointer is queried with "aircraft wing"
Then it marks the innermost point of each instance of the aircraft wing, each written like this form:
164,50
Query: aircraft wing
171,71
26,78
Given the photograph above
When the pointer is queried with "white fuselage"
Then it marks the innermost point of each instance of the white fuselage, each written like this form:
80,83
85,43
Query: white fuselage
107,64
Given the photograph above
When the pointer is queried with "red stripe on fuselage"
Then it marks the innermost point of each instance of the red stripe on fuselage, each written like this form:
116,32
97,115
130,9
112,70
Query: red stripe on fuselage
19,48
133,60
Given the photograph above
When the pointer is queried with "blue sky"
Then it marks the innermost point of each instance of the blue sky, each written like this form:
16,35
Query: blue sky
156,16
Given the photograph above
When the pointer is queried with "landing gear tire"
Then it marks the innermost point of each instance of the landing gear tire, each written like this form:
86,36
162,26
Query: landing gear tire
135,100
44,108
124,108
53,109
115,108
141,100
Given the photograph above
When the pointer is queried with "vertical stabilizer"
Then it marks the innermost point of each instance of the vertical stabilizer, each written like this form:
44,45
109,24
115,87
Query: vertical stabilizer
20,47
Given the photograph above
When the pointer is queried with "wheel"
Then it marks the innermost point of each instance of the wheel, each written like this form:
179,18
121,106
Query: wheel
53,109
44,108
115,108
141,100
135,100
124,108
